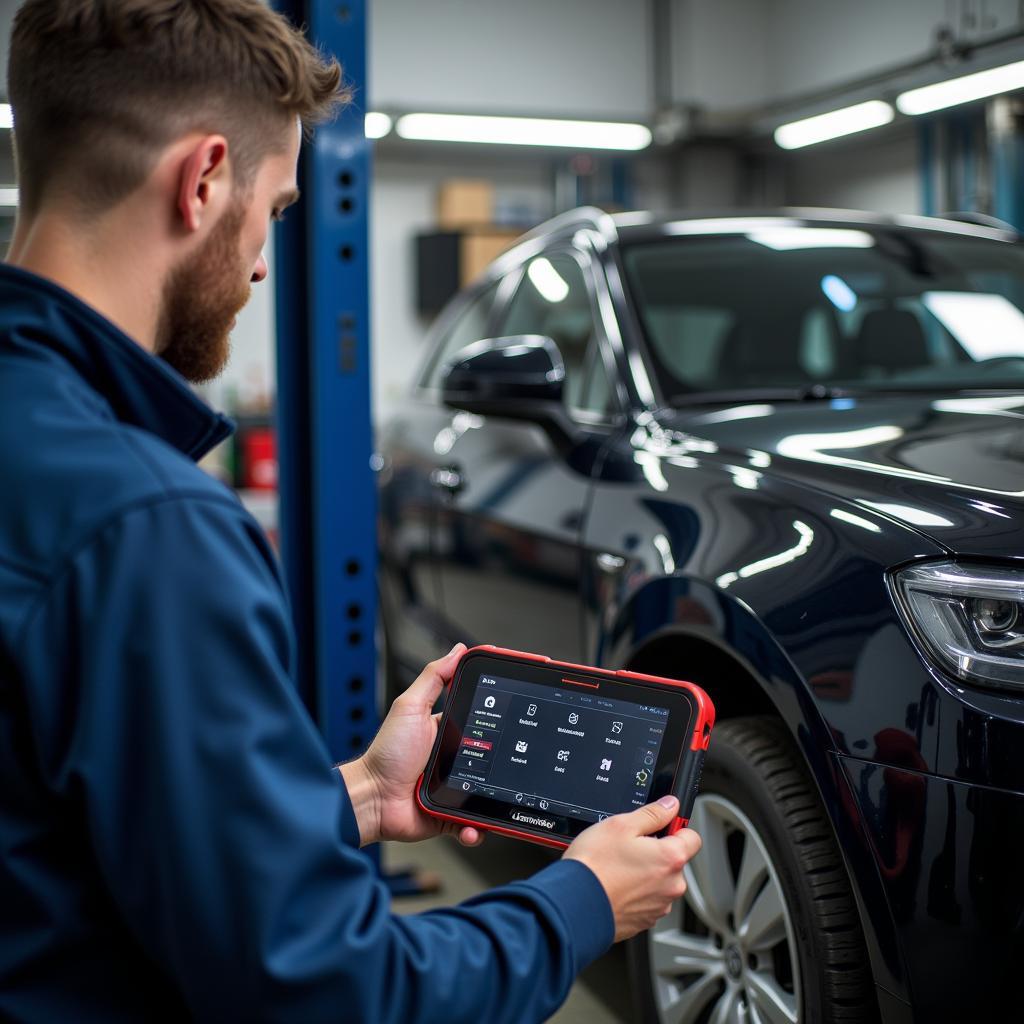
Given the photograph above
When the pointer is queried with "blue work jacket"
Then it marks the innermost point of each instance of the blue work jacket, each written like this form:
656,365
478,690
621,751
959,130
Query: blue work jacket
174,841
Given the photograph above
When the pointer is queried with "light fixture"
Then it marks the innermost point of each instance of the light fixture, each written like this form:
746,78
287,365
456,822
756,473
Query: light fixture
524,131
834,124
8,197
376,125
962,90
6,116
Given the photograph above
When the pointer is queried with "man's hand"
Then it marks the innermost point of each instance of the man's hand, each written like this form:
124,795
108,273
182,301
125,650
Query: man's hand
382,782
642,875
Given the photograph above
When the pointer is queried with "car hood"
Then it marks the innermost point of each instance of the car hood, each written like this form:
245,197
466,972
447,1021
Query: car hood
950,467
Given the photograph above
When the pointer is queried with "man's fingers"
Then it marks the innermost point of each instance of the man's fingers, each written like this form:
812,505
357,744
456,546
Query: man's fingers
470,837
432,679
652,817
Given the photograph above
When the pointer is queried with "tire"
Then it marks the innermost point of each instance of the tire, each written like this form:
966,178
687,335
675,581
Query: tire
768,931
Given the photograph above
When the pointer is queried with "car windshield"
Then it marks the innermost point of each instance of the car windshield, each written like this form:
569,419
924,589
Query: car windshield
802,311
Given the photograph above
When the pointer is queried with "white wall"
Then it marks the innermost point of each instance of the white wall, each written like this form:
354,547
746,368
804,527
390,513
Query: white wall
403,203
817,43
877,172
548,57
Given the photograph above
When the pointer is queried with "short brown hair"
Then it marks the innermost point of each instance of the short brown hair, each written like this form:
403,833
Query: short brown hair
99,87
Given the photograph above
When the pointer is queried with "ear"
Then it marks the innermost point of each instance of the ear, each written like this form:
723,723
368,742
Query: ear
204,180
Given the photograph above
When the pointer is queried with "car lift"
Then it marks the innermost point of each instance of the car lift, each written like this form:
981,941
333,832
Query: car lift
324,427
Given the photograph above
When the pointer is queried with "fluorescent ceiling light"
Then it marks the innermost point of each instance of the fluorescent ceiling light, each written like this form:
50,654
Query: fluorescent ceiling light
987,325
547,280
962,90
8,197
786,238
524,131
834,124
6,117
376,125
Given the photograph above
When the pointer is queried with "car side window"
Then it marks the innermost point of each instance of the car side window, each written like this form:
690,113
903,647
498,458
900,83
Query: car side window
552,300
469,326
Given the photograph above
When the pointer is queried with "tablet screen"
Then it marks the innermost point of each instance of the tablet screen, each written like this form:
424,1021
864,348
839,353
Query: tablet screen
565,750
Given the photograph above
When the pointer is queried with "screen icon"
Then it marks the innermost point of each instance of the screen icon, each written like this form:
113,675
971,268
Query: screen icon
573,718
601,817
616,727
606,764
489,702
648,760
465,785
642,777
543,805
521,746
563,755
531,711
519,798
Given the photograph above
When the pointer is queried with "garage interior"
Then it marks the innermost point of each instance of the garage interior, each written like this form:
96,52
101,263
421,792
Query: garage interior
705,108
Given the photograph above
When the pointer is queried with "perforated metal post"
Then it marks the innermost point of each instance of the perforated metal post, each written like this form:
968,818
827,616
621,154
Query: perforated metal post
328,497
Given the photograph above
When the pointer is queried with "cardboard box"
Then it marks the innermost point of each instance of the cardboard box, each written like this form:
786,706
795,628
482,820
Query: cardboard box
480,247
464,202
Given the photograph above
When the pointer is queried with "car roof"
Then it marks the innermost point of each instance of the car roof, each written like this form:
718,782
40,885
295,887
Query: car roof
644,225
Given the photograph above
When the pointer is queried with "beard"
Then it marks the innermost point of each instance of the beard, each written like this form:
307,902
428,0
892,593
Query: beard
201,298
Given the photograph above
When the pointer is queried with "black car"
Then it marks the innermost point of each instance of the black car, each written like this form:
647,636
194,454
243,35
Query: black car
782,456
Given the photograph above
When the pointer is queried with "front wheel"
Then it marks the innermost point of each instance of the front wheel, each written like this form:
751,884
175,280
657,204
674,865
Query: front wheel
768,931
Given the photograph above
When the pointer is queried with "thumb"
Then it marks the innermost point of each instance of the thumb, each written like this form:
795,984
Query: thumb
652,817
436,675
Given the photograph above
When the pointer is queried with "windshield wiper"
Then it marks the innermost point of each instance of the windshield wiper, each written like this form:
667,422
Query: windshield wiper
806,393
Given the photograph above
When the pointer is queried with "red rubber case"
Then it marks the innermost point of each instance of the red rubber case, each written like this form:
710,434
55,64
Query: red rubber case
688,770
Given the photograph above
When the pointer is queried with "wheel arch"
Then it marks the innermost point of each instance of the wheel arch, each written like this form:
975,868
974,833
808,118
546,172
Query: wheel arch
734,657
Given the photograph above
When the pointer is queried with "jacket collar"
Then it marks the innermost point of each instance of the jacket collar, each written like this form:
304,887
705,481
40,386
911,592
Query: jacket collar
141,389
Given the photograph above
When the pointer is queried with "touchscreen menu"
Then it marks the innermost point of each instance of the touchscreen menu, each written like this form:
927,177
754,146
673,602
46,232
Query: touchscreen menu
566,751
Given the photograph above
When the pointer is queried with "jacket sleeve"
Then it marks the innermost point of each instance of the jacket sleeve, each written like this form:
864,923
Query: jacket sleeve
165,716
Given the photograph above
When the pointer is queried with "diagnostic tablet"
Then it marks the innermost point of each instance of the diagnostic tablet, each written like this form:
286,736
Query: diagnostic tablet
540,749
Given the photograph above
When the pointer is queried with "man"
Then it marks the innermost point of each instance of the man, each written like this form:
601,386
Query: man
173,839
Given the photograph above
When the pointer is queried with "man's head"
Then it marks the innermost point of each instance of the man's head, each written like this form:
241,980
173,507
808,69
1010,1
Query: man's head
188,109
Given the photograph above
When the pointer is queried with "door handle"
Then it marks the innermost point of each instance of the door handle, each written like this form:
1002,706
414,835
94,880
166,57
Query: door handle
447,478
610,563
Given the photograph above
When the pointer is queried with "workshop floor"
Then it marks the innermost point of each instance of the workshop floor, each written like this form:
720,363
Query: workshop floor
601,996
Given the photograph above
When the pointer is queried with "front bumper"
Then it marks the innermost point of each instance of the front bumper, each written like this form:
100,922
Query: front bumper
950,861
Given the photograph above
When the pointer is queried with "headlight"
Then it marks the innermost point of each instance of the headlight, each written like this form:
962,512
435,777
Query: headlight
970,619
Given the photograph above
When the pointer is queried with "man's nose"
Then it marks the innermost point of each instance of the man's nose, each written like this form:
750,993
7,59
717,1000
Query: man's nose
260,271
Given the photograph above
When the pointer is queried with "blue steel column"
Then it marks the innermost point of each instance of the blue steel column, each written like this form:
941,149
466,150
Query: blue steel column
1005,120
328,496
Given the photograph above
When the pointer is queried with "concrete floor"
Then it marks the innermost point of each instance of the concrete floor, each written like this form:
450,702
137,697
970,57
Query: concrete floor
601,996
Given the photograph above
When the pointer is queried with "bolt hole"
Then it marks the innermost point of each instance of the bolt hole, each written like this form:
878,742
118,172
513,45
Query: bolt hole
355,684
357,742
346,205
345,179
355,638
352,567
356,714
347,253
344,13
354,610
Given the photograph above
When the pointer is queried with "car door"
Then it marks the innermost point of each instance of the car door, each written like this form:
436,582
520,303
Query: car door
509,524
409,446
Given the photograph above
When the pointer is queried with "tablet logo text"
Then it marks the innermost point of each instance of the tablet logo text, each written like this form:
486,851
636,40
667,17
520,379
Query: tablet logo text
532,819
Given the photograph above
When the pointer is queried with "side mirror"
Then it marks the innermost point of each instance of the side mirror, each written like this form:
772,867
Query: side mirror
520,377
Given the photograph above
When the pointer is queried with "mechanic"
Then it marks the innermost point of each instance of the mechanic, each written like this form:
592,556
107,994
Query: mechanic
174,840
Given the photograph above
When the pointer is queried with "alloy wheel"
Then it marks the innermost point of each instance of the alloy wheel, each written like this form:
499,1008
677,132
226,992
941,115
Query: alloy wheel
726,954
